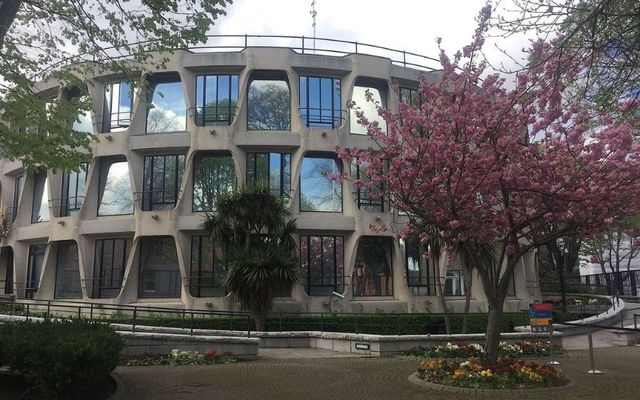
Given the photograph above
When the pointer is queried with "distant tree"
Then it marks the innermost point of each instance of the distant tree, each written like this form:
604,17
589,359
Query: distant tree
63,41
269,108
614,250
487,165
604,33
261,251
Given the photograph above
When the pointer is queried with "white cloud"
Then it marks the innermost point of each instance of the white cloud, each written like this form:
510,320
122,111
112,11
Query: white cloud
411,25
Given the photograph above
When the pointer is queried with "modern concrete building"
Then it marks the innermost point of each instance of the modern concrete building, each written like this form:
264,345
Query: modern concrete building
126,230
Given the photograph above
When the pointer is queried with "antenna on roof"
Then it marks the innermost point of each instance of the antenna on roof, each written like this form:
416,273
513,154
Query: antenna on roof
313,16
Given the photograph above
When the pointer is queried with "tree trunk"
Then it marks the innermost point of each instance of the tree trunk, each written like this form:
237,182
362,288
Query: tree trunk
260,320
440,293
467,302
8,11
494,320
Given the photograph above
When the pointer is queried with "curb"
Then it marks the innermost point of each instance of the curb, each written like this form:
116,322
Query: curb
518,393
121,389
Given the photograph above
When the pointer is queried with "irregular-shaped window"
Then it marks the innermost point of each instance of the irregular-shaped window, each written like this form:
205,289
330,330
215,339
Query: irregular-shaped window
162,179
159,271
68,271
320,101
116,196
213,173
167,110
269,106
207,267
322,264
271,169
373,271
319,191
110,261
216,99
40,208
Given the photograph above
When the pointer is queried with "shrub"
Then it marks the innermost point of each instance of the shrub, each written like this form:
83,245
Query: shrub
382,324
64,359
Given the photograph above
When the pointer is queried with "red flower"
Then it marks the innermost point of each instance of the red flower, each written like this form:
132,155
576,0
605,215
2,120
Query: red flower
211,353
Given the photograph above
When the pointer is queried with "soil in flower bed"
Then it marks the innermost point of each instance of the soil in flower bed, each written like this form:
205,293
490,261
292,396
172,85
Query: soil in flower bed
12,387
476,373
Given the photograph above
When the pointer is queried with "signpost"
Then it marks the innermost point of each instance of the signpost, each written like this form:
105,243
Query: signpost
541,317
541,321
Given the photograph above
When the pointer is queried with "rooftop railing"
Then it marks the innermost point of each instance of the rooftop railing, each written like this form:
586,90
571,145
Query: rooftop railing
299,44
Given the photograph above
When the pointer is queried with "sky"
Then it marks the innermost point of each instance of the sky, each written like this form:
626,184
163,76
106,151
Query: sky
411,25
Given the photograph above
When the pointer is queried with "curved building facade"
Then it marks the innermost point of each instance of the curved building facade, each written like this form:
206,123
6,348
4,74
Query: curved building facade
126,229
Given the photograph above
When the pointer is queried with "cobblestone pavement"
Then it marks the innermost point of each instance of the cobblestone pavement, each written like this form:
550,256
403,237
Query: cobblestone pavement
360,378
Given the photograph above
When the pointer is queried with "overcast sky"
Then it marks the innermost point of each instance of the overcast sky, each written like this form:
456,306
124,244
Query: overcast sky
411,25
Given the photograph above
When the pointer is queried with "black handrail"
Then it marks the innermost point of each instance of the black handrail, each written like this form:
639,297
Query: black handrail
399,56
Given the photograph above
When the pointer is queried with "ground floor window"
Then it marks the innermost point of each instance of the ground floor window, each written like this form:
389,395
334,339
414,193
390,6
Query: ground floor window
109,264
372,272
34,268
419,269
7,261
68,271
207,268
454,283
322,264
159,270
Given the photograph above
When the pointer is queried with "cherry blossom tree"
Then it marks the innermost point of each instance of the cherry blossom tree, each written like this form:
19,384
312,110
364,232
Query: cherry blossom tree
484,164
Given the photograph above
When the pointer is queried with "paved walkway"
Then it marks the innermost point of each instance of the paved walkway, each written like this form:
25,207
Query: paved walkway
357,378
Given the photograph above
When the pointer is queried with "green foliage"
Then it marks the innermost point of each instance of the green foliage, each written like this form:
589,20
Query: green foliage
382,324
61,358
261,251
65,41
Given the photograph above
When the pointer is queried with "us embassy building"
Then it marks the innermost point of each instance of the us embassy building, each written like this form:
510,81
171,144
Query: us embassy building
126,228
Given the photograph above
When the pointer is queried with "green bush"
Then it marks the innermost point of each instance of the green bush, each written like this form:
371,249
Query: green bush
63,359
382,324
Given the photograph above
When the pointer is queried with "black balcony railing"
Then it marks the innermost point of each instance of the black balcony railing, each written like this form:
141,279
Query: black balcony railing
206,116
322,117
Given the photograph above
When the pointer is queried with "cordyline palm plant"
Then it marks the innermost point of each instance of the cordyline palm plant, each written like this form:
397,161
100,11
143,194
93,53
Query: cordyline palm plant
261,251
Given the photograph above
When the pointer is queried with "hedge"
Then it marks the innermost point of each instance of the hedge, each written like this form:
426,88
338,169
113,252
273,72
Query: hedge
64,359
383,324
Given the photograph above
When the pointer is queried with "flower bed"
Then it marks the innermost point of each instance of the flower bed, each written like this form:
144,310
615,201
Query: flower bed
475,373
177,357
538,348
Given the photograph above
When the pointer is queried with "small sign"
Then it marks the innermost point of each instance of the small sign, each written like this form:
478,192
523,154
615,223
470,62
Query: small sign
541,317
362,346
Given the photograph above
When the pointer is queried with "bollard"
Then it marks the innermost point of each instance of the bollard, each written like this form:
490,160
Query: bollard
135,319
592,362
621,319
553,352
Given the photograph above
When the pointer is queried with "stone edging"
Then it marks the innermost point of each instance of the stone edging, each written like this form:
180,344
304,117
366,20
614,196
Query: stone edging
414,378
120,391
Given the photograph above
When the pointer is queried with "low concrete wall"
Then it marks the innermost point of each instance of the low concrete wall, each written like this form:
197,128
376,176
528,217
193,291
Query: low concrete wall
160,341
364,344
140,343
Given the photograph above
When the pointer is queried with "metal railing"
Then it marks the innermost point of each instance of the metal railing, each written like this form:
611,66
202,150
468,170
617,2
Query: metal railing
211,116
136,316
299,44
